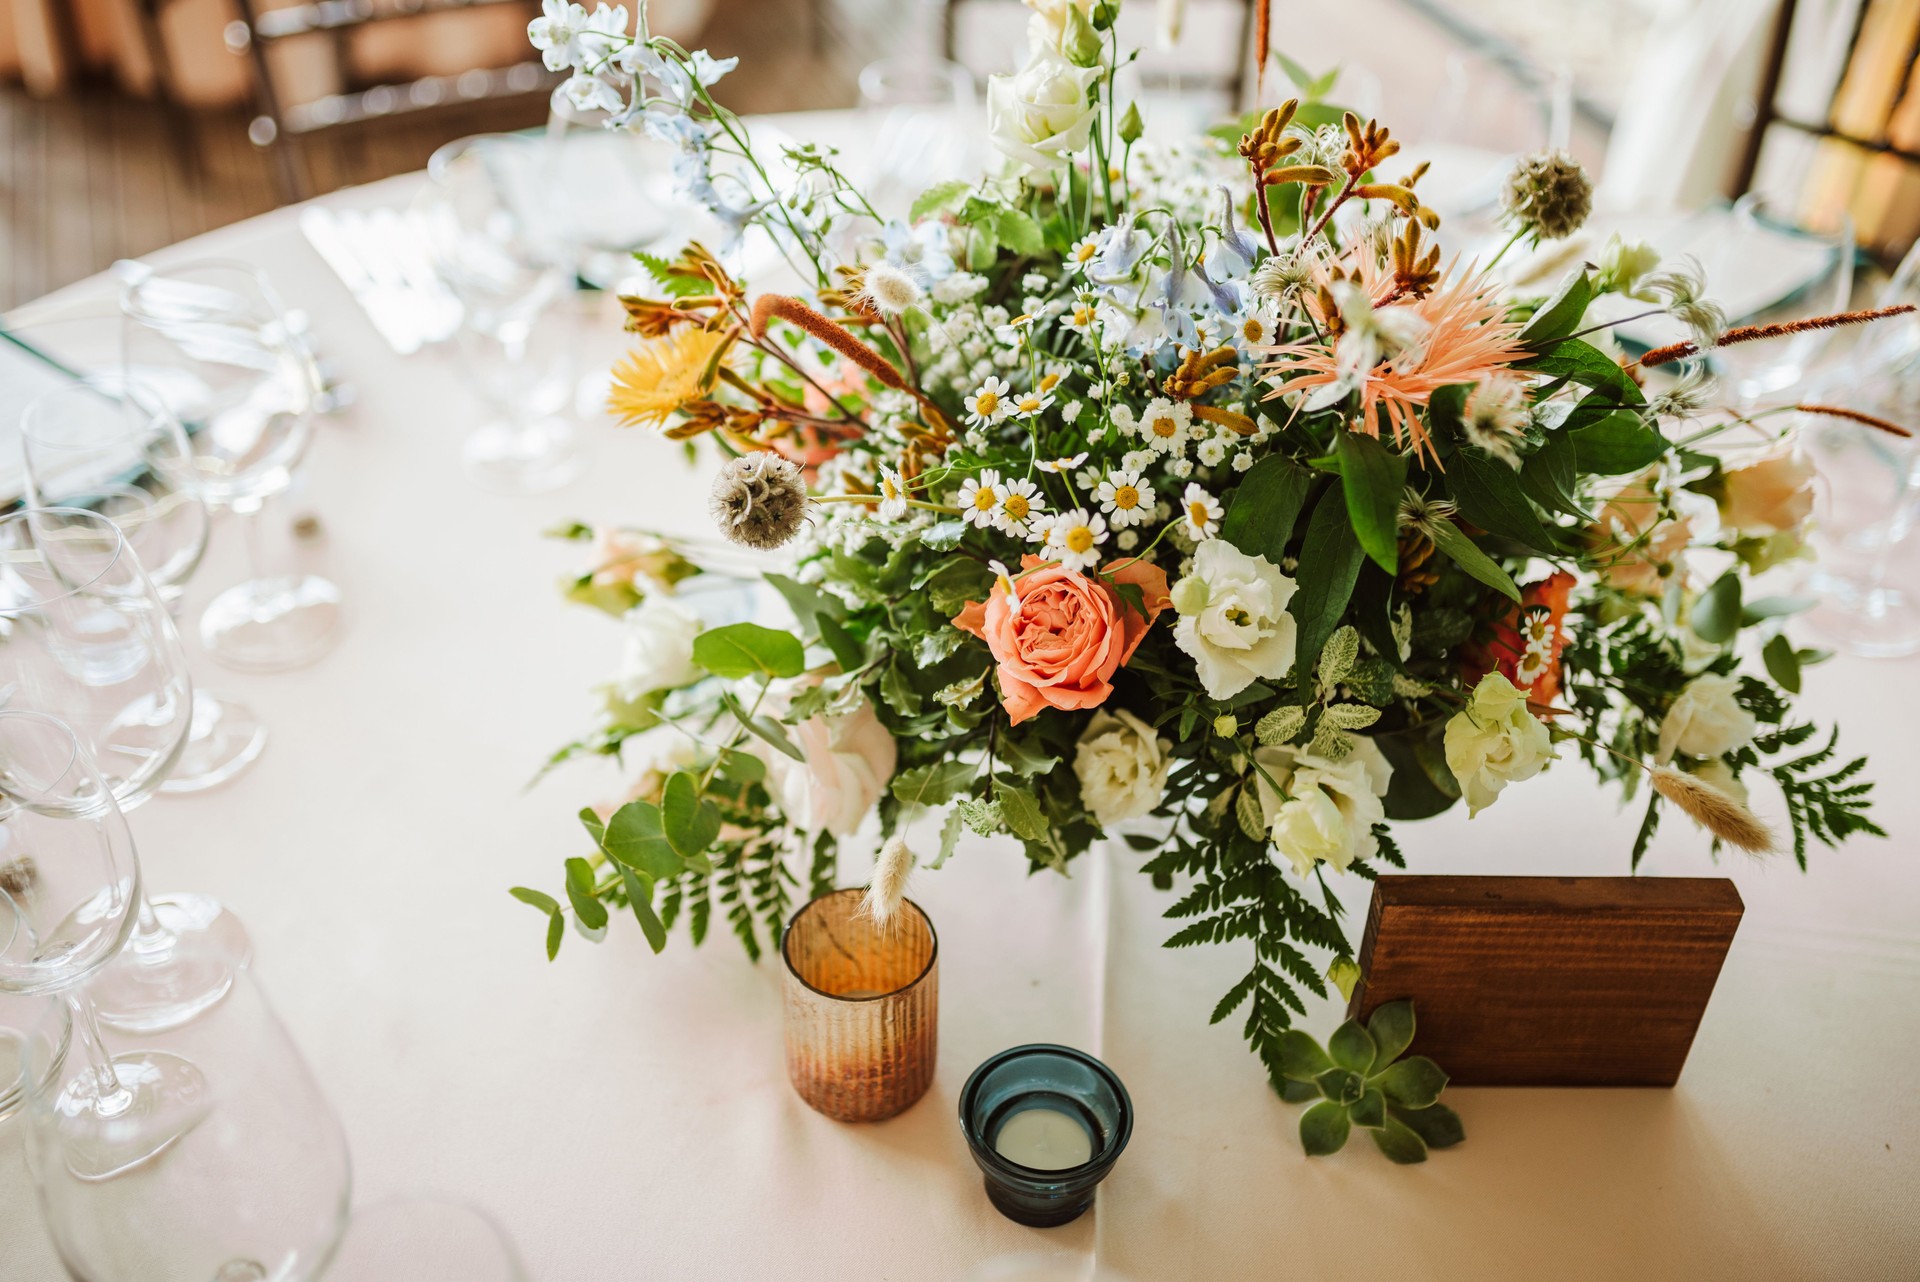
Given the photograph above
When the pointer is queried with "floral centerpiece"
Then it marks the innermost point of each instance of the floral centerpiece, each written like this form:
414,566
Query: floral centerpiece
1184,483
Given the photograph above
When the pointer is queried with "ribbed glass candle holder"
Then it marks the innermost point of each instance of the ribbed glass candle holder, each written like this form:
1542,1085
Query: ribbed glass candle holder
862,1007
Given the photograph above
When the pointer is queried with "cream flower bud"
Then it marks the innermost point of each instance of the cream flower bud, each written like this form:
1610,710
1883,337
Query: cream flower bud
1495,741
1706,720
1122,766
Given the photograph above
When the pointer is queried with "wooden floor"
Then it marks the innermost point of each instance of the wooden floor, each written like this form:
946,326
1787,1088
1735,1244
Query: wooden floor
93,175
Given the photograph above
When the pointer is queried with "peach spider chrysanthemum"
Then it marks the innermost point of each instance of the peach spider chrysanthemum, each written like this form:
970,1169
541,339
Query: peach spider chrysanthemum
1465,337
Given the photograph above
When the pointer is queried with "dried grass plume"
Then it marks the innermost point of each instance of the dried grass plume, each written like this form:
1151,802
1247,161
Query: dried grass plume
888,889
1718,812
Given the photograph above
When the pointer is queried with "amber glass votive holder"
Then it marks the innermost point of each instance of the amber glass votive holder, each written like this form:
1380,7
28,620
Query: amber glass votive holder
861,1007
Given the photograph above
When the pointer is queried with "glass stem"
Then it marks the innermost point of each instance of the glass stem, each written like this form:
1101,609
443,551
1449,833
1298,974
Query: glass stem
248,510
110,1097
151,941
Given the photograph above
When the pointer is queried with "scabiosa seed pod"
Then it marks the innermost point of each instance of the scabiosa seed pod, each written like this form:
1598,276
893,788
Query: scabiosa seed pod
760,500
1549,193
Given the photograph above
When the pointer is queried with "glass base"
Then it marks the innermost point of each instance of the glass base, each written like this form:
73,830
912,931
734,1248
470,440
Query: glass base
104,1133
225,739
1871,622
531,459
271,624
166,979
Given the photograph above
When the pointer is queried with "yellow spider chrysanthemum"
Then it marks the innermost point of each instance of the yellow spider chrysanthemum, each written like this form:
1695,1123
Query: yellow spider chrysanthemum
656,379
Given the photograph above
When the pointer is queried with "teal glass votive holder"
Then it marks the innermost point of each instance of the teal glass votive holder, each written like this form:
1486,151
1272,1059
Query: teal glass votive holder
1045,1124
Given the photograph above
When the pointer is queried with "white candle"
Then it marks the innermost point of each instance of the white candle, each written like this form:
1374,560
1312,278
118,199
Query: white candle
1045,1139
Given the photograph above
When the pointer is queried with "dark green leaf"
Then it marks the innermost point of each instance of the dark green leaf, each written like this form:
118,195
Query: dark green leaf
1437,1124
1400,1142
1414,1082
933,785
1783,664
1324,1129
591,912
1352,1047
640,899
1027,757
1372,477
1370,1109
846,651
1551,474
1329,565
1587,365
1716,615
1392,1027
1559,315
741,767
1022,813
1341,1085
1297,1092
1265,506
1617,444
808,603
1463,552
1490,496
1301,1058
636,839
747,649
1422,786
592,822
690,821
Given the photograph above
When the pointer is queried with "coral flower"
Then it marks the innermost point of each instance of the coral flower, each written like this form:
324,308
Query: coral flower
1462,337
1525,643
659,378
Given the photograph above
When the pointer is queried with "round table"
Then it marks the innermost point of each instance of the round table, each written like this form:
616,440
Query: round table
626,1115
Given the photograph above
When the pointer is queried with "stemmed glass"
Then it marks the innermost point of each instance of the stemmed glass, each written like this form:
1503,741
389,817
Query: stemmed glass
126,457
1754,371
925,132
607,190
73,913
505,258
425,1239
84,636
256,1189
211,340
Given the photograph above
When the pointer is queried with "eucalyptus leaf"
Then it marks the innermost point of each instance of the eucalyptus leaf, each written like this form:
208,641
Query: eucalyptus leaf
636,839
590,911
640,899
747,649
1783,662
690,821
1715,615
536,898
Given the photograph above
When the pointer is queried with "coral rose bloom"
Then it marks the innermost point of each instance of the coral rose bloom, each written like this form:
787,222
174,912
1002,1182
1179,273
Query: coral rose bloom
1069,634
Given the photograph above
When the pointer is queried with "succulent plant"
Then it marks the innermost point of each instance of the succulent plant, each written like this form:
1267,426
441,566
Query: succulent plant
1360,1080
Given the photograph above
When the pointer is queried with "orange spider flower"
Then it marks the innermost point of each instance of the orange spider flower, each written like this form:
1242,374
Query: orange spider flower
1461,335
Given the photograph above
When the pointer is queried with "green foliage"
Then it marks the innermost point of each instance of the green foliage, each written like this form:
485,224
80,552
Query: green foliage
748,650
1362,1081
1372,477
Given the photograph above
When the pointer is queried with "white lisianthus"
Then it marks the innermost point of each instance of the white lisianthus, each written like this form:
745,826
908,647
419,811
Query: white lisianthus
1706,720
1622,265
658,654
1122,765
1330,808
1040,114
849,760
1495,741
1051,26
1234,623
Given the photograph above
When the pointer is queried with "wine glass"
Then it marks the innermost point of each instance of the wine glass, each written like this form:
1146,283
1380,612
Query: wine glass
212,342
608,190
257,1190
126,457
1766,238
85,637
72,914
425,1239
22,1021
506,258
924,109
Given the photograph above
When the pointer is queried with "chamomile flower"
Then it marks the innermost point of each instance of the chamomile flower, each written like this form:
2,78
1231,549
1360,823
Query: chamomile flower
1211,453
1166,425
1200,513
1084,251
893,494
980,499
1081,317
1004,580
1074,539
1051,377
1028,404
1058,465
989,405
1014,332
1127,540
1021,504
1071,411
1242,461
1122,416
1137,460
1125,498
1257,326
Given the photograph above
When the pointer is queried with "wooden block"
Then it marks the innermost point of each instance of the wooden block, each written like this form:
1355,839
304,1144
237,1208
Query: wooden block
1549,981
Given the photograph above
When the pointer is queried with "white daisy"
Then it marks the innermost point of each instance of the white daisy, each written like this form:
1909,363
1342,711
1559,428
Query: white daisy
1084,251
1257,326
1212,453
1003,579
1058,465
1074,539
1122,416
1125,498
980,499
1137,460
1166,425
1028,404
989,405
1051,377
1082,316
1200,513
1021,503
893,495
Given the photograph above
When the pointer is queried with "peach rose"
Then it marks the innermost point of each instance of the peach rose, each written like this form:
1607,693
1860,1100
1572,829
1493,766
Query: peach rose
1060,646
1634,550
1772,494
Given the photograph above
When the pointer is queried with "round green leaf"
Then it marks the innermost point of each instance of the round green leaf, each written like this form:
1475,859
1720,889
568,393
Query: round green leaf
747,649
1400,1143
1324,1129
1352,1047
1716,615
1414,1082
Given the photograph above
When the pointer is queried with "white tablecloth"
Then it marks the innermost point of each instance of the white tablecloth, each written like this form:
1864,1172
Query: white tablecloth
626,1115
